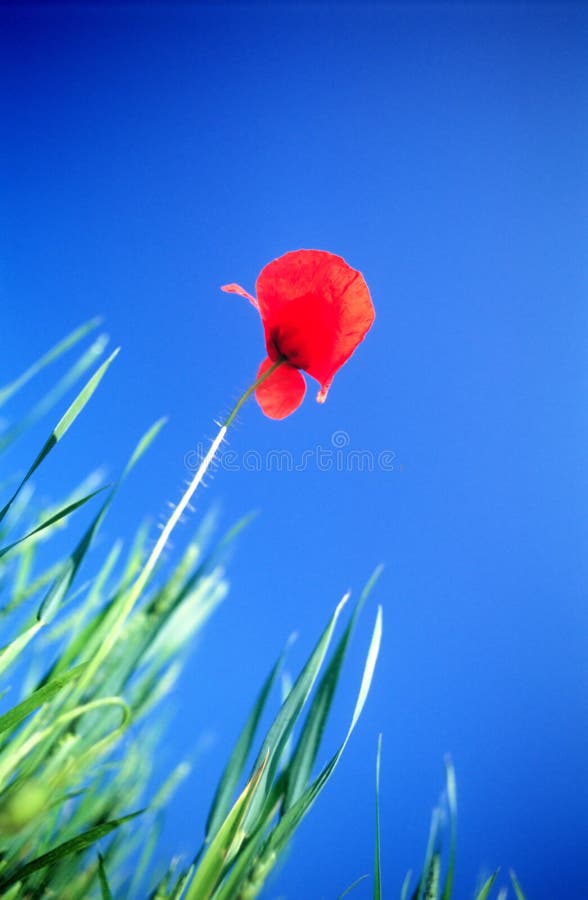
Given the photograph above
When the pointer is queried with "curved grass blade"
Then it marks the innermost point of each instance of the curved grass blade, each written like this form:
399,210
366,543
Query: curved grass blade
300,769
378,859
484,891
452,804
47,358
11,761
63,426
76,845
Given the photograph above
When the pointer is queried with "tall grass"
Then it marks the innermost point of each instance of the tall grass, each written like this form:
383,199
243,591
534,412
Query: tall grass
96,649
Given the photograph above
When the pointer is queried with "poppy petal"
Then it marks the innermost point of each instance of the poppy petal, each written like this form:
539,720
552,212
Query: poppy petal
237,289
315,309
282,392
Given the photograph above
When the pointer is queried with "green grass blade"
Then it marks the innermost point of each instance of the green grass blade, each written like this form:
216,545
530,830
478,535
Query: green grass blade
76,845
352,886
12,650
47,358
263,859
178,890
88,359
290,710
433,880
143,445
84,632
300,769
484,891
11,719
452,804
59,589
378,856
13,893
148,850
63,426
288,823
225,843
103,879
236,765
430,856
249,867
405,886
62,513
517,888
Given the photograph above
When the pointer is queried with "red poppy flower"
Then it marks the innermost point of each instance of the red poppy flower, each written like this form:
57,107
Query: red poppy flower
315,310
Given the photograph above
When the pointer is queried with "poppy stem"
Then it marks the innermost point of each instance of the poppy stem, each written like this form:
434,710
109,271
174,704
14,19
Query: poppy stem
141,582
230,418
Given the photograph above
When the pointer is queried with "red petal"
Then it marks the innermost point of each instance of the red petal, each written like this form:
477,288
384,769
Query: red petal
315,309
237,289
282,392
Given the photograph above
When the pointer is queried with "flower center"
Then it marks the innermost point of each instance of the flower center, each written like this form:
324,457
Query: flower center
288,345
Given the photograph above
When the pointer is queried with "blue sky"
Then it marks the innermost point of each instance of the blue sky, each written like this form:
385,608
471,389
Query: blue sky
153,153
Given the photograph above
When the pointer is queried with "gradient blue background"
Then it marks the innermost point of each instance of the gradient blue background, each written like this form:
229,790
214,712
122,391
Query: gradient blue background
152,153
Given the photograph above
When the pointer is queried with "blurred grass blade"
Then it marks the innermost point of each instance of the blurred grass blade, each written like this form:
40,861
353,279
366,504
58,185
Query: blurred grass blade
143,445
236,765
10,652
378,860
47,358
178,891
430,857
484,891
352,886
300,769
11,719
88,359
284,722
406,886
452,804
517,888
63,426
225,843
103,879
75,845
433,879
52,520
148,850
